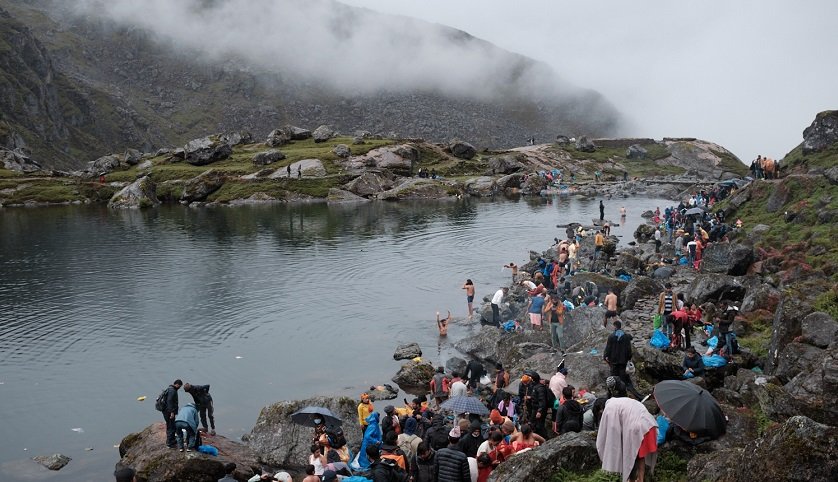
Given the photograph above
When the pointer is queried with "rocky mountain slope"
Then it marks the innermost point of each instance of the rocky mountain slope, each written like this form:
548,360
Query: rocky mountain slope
75,87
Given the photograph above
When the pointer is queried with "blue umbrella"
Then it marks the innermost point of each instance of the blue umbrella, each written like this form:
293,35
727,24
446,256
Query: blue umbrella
463,404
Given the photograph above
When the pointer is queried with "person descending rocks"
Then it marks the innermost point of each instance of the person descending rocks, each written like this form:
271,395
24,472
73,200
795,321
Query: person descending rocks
618,353
203,402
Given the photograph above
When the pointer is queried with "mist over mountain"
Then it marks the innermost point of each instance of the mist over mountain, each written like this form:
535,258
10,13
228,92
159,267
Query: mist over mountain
158,73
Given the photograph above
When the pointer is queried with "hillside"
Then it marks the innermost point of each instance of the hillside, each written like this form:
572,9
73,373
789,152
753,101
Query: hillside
99,84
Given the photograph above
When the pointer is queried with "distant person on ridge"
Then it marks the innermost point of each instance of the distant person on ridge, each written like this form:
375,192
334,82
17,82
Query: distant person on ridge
288,170
203,402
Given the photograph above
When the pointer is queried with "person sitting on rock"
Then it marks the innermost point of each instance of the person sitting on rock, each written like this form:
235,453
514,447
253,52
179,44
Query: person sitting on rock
526,439
693,365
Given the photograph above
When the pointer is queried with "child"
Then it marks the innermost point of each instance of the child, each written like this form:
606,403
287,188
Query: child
310,477
314,460
443,324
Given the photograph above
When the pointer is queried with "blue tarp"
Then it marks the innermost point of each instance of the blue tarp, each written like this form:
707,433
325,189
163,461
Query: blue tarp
663,427
624,277
659,340
568,305
712,342
372,436
714,361
208,449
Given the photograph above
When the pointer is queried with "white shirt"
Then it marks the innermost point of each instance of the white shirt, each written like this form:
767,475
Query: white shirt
484,448
657,235
458,389
557,383
315,461
498,297
529,284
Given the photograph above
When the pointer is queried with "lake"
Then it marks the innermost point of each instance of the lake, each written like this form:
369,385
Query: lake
265,303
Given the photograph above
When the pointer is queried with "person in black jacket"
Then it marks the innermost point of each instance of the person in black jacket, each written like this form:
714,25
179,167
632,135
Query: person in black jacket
451,465
474,371
422,464
570,413
437,435
692,364
383,470
170,412
538,413
203,402
471,441
618,354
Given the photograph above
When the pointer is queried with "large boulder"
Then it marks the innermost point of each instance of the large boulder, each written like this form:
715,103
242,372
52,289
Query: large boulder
399,159
414,375
455,365
644,233
714,287
407,351
308,168
201,186
277,137
462,150
103,165
786,325
336,195
296,133
279,442
371,182
483,186
603,283
819,329
18,160
506,164
323,133
727,258
132,157
141,193
638,288
342,150
417,188
147,454
800,450
510,183
636,151
383,392
52,462
571,452
236,138
206,150
822,133
267,157
583,144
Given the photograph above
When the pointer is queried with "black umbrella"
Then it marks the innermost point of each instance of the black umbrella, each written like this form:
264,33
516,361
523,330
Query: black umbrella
464,404
693,211
305,416
690,407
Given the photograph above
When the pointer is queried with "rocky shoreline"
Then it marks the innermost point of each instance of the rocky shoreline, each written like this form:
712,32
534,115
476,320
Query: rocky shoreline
778,397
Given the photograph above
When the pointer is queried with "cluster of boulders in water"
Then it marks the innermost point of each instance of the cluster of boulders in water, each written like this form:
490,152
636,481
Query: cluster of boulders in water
780,406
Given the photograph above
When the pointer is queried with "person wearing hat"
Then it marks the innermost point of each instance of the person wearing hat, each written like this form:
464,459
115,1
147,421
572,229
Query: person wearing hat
409,441
390,422
365,408
472,440
382,469
451,463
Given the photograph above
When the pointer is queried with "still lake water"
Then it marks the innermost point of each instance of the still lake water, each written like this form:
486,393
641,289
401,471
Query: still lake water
265,303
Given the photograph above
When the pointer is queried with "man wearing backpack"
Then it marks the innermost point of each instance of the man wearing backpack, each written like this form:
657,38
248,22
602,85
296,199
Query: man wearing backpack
384,470
203,402
170,410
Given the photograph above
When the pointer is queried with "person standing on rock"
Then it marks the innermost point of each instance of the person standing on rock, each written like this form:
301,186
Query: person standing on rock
601,210
496,301
618,353
559,381
469,287
170,412
534,309
474,371
555,311
288,170
203,402
657,239
458,387
610,306
365,408
299,171
666,305
439,386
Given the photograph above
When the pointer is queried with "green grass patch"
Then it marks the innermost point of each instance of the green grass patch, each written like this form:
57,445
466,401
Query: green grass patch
8,173
828,302
731,163
758,337
796,161
41,191
669,468
278,188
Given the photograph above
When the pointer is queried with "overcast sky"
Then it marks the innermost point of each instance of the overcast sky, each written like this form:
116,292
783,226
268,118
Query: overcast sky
747,74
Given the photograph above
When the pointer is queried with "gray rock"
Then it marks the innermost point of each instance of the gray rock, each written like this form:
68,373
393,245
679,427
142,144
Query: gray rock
727,258
103,165
323,133
585,145
796,358
267,157
832,174
132,157
571,452
785,326
638,288
644,233
53,462
462,150
399,159
760,296
357,141
141,193
414,376
340,196
296,133
822,133
780,195
277,137
648,214
308,167
342,150
206,150
363,134
510,183
18,160
562,140
371,182
201,186
416,189
455,365
279,442
260,174
506,164
236,138
714,287
178,153
664,272
819,329
636,151
407,351
758,230
483,186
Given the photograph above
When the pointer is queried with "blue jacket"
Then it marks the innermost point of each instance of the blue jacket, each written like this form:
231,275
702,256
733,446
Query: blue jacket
188,414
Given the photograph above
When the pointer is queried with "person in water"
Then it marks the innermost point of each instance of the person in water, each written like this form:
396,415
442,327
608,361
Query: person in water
469,287
443,323
514,268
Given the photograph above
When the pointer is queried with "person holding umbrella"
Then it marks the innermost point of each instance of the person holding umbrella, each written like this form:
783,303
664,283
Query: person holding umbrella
691,409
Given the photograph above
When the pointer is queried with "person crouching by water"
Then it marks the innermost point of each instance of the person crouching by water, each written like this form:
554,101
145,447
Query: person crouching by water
203,402
496,301
187,419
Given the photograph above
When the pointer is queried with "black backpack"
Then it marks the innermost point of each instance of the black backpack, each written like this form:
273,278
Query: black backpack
336,437
160,403
394,472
